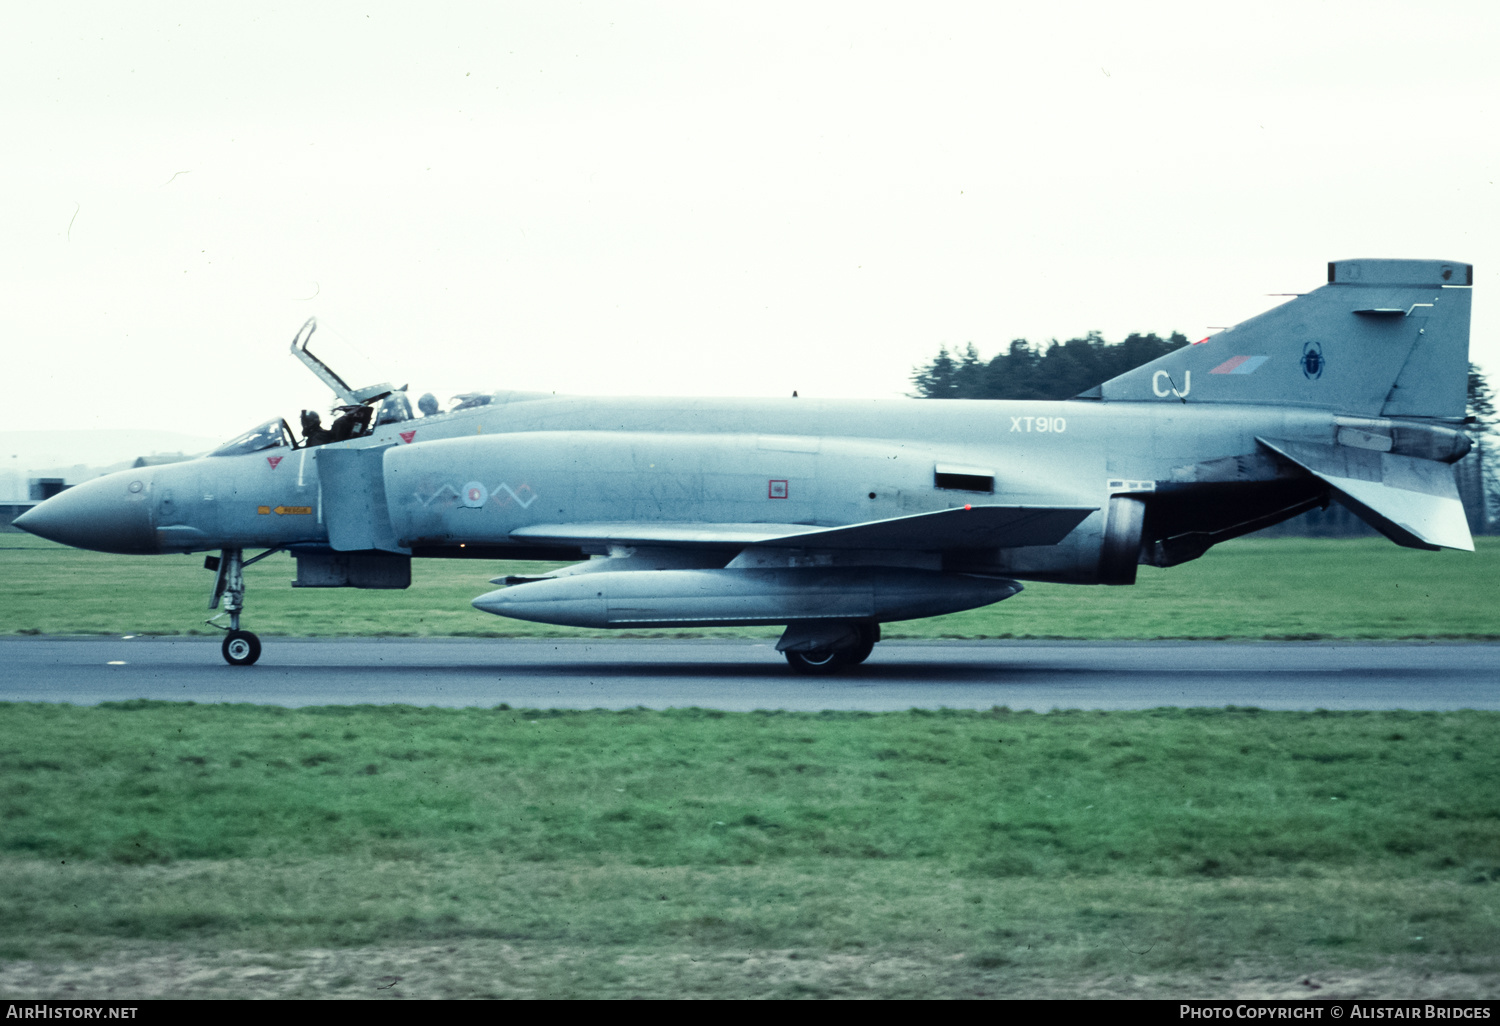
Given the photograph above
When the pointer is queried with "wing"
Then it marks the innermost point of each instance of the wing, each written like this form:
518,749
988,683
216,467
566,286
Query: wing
971,527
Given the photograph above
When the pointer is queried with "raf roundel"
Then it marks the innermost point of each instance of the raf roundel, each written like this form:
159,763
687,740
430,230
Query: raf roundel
474,495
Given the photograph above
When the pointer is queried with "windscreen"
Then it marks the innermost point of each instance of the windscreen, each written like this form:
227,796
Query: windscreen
263,436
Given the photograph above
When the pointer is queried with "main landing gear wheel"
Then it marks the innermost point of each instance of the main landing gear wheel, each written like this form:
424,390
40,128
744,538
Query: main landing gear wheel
819,662
241,648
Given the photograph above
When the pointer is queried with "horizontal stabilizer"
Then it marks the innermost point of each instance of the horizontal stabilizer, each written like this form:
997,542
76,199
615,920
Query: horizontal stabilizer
1413,502
974,527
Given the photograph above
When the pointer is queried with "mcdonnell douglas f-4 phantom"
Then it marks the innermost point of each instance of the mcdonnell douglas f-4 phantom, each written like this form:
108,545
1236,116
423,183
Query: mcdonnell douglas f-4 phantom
833,517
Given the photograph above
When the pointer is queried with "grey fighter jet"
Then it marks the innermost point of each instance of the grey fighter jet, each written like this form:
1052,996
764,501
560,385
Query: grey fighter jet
833,517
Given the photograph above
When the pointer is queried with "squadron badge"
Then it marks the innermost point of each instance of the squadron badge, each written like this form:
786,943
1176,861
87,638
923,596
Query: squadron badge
1312,361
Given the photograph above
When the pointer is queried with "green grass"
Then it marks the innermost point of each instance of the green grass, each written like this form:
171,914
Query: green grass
1167,792
1250,588
969,843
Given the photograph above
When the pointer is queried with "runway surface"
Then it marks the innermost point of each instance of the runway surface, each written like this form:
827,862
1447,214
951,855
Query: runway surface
745,675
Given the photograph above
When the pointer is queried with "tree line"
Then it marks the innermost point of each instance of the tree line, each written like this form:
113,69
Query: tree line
1045,370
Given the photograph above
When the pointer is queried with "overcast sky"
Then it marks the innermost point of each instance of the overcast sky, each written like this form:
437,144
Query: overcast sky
695,198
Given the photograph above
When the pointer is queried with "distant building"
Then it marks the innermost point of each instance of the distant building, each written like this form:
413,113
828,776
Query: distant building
42,488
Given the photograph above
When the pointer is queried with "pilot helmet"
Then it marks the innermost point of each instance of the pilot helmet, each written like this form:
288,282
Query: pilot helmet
428,404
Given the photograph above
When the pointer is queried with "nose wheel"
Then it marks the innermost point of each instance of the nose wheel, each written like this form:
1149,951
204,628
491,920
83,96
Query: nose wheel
241,648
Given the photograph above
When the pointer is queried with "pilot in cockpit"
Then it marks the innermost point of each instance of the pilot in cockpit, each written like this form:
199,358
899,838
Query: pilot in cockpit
351,422
313,431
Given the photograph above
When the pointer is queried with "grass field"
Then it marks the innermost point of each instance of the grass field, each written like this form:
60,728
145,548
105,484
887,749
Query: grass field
1250,588
405,851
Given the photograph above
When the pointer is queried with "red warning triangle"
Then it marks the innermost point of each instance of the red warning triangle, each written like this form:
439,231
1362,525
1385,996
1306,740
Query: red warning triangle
407,436
273,460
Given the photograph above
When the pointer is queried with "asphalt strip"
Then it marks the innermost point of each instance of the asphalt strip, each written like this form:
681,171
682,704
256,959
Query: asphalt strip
743,675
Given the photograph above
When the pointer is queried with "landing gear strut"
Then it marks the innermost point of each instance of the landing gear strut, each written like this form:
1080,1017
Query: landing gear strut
240,648
820,661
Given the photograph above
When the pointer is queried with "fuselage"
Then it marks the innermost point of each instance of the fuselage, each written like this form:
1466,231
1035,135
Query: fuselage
474,477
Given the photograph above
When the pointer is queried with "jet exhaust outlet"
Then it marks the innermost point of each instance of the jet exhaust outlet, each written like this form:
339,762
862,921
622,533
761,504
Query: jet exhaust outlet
1120,554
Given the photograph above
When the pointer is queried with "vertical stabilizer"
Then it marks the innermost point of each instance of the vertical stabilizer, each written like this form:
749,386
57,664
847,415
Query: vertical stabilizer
1382,338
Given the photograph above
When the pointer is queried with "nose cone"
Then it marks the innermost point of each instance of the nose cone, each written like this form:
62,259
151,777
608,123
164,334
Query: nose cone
108,514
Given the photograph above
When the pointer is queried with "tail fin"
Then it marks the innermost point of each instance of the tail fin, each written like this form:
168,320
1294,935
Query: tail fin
1384,338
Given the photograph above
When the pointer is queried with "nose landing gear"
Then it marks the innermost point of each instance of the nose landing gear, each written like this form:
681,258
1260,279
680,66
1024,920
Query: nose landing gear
240,648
